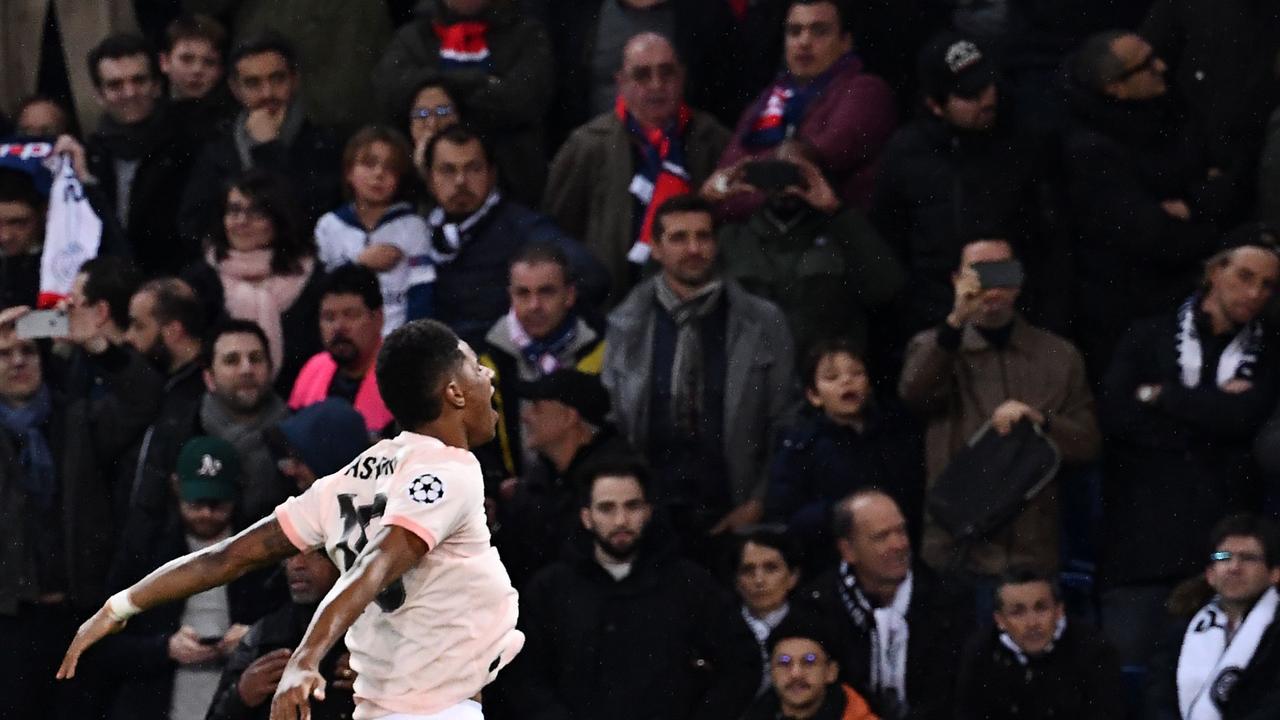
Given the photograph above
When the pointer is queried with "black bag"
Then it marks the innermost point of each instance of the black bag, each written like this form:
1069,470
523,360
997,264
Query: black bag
992,479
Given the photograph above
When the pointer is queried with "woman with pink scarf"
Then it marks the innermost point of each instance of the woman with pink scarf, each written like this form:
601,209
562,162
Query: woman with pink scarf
260,265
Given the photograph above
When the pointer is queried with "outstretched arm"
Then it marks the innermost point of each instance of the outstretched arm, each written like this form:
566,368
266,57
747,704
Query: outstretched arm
260,545
387,558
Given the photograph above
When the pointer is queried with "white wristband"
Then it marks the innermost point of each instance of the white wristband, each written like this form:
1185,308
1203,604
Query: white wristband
120,608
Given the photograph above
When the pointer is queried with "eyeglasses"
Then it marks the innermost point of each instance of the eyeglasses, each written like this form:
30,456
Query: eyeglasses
645,73
1225,556
808,660
1148,63
427,113
248,212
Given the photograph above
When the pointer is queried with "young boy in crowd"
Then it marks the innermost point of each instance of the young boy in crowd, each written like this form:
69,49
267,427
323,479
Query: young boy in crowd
377,228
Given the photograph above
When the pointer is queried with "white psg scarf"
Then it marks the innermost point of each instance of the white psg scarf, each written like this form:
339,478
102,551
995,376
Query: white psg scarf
1210,665
73,233
1238,358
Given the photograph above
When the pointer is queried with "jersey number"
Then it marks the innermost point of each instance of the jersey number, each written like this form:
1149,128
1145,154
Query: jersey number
357,517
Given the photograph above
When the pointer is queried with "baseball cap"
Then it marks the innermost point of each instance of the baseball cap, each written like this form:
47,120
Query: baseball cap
208,469
581,391
951,64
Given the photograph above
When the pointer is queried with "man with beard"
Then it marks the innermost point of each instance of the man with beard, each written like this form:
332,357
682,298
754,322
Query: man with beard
620,615
166,324
700,373
804,677
476,231
898,629
253,671
818,259
351,331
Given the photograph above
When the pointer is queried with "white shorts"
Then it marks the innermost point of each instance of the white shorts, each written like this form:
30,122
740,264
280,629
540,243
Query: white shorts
465,710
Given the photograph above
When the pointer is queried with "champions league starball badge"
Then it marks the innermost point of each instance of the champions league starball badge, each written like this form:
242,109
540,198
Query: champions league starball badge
426,489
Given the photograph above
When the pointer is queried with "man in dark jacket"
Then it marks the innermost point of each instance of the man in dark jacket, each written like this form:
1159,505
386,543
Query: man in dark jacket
622,628
899,629
55,512
271,133
1034,664
21,238
804,676
253,671
139,157
960,173
167,664
1181,403
476,230
1145,200
495,64
564,419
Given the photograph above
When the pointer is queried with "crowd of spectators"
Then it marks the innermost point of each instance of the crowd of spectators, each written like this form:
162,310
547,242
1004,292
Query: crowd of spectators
853,359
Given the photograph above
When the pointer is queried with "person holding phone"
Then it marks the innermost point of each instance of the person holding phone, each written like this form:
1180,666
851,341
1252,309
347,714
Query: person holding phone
984,365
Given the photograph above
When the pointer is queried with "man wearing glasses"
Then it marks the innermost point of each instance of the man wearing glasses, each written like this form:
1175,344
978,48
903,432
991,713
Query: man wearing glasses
805,677
613,173
1228,665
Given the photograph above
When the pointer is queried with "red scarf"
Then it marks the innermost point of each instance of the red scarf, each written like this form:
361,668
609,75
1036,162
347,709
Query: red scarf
663,153
463,44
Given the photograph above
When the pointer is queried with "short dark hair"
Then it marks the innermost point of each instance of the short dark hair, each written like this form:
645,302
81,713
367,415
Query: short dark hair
268,41
174,301
413,365
777,539
196,26
842,520
39,98
687,203
613,466
541,251
18,187
456,135
842,11
353,279
112,279
825,347
273,195
805,624
1260,528
115,47
1094,64
1021,575
236,326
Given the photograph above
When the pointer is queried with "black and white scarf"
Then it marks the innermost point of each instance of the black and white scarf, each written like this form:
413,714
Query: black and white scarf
761,628
888,630
1211,663
447,238
1238,359
1012,646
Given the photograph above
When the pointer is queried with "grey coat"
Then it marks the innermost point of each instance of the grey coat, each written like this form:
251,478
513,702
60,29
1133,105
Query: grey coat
760,395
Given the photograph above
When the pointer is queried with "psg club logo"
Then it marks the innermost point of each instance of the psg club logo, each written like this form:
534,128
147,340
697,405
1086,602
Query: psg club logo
426,489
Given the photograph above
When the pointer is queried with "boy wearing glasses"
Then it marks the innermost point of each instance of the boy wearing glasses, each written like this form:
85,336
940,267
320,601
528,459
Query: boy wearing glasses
806,677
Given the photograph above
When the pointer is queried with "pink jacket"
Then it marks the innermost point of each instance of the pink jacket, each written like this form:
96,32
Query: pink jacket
312,386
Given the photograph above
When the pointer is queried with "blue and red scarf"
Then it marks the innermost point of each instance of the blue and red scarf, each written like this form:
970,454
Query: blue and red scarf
660,174
464,44
786,105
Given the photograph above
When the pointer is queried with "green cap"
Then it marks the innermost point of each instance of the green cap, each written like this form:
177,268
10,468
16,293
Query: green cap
208,469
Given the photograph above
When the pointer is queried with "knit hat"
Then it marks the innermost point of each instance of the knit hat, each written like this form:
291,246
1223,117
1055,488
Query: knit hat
325,436
950,64
208,469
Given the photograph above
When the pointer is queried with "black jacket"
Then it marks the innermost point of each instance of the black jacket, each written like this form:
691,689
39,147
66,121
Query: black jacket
1079,679
1176,466
283,628
19,279
941,188
137,660
1134,259
312,164
508,104
151,220
940,617
665,643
